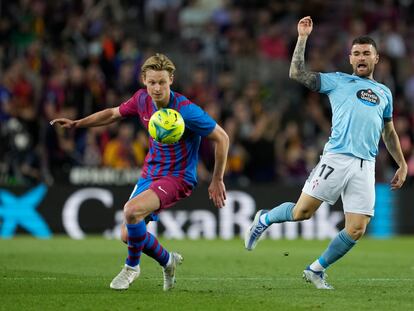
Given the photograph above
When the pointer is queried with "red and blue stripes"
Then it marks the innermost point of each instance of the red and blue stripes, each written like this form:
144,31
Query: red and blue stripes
155,250
137,233
178,159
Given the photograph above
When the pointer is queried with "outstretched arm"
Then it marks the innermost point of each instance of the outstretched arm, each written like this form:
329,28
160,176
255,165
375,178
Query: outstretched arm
217,189
297,66
99,118
390,138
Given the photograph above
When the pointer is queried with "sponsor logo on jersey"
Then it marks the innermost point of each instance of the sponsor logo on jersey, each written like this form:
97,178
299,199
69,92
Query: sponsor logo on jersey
368,97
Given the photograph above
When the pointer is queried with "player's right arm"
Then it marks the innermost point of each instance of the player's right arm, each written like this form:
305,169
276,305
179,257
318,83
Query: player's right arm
104,117
297,66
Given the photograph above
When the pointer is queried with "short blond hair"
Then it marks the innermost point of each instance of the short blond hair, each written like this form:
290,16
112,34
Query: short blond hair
158,62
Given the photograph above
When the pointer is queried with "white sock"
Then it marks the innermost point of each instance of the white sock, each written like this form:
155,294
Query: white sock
133,268
316,266
169,260
263,219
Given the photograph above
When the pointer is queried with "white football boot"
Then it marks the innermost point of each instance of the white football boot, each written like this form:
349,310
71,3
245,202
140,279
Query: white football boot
255,231
317,278
125,277
169,270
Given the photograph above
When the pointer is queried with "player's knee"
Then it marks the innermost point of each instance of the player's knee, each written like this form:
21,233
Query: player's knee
356,232
302,214
131,212
128,212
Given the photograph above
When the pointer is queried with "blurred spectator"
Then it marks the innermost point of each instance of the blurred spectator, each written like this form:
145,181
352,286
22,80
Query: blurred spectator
61,148
5,99
291,153
389,41
199,89
124,151
91,149
383,74
272,43
238,156
72,58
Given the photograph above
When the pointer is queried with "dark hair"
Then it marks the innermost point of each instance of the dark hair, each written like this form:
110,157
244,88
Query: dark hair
365,40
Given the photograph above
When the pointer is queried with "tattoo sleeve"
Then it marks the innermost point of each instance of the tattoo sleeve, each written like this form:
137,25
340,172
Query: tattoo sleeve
297,68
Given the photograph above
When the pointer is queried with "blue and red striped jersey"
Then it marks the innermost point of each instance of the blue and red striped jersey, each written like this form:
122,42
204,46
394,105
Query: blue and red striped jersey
179,159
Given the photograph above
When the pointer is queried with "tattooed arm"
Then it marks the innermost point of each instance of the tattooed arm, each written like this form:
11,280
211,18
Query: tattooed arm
297,67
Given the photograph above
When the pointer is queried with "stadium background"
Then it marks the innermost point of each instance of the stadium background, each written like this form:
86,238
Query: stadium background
72,58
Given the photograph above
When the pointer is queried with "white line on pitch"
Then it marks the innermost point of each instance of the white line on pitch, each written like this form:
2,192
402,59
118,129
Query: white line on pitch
214,279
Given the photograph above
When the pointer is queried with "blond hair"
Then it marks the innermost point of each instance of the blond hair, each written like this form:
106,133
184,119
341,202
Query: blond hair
158,62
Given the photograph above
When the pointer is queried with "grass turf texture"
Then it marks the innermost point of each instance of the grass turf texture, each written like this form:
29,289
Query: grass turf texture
64,274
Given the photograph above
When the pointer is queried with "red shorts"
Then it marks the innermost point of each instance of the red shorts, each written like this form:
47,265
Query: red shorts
170,190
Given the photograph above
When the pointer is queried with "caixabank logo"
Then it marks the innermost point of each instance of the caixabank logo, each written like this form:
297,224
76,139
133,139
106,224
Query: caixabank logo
20,212
368,97
81,211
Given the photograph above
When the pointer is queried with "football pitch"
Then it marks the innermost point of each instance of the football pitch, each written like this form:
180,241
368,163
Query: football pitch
64,274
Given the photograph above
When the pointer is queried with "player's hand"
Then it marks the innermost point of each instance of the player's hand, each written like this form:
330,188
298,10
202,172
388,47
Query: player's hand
217,193
305,26
63,122
399,178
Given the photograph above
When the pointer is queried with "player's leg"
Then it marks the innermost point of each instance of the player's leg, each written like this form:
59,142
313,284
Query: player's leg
168,261
358,199
324,184
155,250
303,209
152,247
170,190
135,211
355,226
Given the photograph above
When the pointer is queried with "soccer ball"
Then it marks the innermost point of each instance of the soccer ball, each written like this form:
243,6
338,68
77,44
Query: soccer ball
166,126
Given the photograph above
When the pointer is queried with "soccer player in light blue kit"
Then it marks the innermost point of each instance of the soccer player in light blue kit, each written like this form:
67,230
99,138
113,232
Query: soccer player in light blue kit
169,173
361,113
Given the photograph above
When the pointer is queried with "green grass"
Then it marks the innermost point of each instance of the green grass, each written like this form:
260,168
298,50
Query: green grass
63,274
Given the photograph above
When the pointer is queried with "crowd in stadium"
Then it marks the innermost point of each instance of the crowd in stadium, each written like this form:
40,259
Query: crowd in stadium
72,58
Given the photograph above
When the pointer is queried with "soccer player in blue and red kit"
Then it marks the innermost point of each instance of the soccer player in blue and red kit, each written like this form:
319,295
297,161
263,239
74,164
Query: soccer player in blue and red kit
169,172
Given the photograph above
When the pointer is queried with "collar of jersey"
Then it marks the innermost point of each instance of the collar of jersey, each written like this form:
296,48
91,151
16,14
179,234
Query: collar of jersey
365,79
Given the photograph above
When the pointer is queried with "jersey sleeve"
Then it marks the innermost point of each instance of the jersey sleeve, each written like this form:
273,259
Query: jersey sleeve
197,120
130,107
387,115
329,82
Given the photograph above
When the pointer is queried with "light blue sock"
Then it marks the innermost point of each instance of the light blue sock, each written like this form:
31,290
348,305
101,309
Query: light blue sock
338,247
280,213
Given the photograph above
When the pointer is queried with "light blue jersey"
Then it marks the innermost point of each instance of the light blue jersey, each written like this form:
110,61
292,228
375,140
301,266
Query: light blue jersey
360,107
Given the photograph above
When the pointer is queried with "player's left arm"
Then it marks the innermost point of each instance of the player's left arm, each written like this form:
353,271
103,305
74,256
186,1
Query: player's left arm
390,138
217,189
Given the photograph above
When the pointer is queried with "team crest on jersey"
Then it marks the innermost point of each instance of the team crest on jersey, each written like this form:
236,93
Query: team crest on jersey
315,184
368,97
